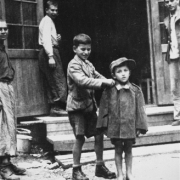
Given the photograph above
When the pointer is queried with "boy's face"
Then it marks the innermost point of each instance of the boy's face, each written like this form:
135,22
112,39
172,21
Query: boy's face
52,11
122,74
3,31
172,4
83,51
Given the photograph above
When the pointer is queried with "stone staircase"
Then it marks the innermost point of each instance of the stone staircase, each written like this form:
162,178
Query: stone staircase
59,131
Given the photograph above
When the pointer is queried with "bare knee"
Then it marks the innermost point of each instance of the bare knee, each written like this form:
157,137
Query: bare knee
128,147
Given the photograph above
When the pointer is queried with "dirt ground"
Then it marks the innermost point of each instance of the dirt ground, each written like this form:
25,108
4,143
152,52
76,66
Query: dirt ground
152,167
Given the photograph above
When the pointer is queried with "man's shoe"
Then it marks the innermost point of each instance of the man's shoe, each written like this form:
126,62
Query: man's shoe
17,170
8,174
57,112
78,174
176,123
103,171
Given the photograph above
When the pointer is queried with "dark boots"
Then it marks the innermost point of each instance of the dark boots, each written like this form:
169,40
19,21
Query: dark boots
103,171
78,174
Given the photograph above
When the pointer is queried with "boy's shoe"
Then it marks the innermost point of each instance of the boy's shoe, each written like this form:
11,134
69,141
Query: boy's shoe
57,112
176,123
103,171
78,174
7,173
17,170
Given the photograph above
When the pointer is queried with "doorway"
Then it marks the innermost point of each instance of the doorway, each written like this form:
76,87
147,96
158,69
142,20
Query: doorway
118,28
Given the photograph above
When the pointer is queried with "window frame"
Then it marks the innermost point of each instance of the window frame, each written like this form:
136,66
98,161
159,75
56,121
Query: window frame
23,53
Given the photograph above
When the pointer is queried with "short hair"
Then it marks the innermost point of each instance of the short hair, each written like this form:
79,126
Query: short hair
51,2
81,39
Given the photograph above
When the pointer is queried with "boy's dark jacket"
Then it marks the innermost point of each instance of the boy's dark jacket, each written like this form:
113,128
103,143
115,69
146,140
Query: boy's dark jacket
120,120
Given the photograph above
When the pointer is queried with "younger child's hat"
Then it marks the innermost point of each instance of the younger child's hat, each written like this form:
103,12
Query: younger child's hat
118,62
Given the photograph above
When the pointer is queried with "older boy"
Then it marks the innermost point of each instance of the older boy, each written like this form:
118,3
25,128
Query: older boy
7,113
82,79
50,62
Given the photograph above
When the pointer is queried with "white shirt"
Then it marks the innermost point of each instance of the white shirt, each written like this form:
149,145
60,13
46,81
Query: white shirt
47,35
119,86
174,51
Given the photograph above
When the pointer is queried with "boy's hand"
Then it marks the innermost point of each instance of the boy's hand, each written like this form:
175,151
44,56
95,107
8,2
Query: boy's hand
52,63
58,37
108,83
138,133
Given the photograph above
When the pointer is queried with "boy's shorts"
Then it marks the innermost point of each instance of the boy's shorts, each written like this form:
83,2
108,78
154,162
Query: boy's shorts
83,123
114,140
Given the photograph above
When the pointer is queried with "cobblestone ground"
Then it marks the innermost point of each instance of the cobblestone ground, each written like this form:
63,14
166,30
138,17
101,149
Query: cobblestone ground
152,167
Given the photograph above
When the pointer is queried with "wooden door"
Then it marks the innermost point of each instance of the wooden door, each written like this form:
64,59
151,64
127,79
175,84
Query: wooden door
159,47
23,18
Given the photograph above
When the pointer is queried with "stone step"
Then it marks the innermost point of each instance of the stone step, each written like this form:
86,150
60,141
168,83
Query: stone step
155,135
157,116
66,161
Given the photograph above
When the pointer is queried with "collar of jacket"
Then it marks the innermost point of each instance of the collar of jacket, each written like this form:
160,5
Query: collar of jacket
84,65
119,86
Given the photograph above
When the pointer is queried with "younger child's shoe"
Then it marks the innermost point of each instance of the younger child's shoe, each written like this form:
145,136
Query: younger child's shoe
78,174
103,171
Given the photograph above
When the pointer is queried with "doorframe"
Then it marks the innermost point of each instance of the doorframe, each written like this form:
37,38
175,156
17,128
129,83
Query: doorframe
151,52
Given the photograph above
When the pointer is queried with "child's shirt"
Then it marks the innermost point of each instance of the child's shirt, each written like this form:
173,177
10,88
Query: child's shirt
6,70
122,112
82,79
47,35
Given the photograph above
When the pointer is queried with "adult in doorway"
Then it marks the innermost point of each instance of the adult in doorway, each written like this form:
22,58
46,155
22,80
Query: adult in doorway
8,140
172,24
50,61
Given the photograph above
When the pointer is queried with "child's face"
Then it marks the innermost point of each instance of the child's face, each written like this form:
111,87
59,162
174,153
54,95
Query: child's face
121,74
52,11
3,30
83,51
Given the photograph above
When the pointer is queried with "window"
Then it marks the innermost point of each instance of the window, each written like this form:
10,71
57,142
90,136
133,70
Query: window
22,17
163,13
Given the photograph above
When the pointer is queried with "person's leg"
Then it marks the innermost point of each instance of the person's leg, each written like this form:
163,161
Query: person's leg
76,119
119,159
175,88
101,169
77,148
128,158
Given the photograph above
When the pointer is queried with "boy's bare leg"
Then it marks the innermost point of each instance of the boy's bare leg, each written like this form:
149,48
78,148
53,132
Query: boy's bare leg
119,159
98,147
128,159
101,169
77,148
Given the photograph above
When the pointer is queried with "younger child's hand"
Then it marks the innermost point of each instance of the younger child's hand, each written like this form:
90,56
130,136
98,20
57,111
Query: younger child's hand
138,133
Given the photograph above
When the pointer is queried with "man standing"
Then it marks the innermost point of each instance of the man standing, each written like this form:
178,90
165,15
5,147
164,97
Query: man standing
172,23
50,62
8,139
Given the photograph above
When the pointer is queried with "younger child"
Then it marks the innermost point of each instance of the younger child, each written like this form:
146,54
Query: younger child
122,114
82,80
